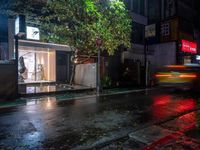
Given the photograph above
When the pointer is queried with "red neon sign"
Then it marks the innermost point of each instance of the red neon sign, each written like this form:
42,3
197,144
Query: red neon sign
187,46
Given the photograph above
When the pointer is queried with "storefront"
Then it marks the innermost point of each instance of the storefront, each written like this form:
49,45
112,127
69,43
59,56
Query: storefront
43,62
187,51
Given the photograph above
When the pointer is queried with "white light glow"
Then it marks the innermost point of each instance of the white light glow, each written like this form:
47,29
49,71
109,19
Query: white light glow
32,33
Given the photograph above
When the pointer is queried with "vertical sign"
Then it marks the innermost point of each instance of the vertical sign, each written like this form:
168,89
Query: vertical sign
150,30
20,25
32,33
170,8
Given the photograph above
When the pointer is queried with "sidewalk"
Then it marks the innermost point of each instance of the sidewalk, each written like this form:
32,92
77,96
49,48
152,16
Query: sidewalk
47,89
83,120
66,94
180,133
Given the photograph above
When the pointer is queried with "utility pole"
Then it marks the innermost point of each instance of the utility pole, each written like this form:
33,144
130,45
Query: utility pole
150,32
99,43
145,61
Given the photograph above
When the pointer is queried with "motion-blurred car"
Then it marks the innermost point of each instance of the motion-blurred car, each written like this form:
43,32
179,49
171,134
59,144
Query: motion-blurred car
179,76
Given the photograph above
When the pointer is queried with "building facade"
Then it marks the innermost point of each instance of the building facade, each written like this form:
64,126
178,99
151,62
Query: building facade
175,31
37,62
175,22
138,11
8,75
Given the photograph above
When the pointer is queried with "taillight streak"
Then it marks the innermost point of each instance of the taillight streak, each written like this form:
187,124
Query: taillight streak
188,76
163,75
179,76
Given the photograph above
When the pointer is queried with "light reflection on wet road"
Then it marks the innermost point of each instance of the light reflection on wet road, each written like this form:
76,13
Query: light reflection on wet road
65,124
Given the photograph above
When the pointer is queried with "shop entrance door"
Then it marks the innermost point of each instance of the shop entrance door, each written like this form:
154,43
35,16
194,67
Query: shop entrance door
62,66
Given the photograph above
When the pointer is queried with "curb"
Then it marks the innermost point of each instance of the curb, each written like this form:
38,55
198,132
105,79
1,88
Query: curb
110,141
41,95
56,92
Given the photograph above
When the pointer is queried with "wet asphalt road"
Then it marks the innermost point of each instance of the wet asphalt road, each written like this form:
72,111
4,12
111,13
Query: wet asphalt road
51,124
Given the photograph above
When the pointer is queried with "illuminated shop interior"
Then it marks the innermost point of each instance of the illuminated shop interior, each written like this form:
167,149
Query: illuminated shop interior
40,64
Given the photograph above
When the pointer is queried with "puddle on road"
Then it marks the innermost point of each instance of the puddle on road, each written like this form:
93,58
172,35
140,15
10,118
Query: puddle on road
166,106
93,118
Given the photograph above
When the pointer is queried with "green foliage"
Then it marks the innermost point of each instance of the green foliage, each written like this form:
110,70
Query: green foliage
29,8
79,23
106,81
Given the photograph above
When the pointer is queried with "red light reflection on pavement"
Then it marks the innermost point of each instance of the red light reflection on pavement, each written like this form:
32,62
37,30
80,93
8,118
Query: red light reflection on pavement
162,141
165,106
184,123
185,105
162,100
187,122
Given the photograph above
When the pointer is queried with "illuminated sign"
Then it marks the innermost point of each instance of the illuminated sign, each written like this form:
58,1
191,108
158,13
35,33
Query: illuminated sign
33,33
150,30
20,25
187,46
198,57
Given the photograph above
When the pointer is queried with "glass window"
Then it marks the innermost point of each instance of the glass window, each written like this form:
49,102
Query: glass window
138,6
137,33
36,64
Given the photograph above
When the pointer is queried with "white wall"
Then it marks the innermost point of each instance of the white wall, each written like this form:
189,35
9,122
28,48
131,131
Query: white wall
85,74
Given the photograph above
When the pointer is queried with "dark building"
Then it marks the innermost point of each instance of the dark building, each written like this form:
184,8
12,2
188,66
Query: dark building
171,29
138,11
133,57
176,26
42,62
175,22
8,68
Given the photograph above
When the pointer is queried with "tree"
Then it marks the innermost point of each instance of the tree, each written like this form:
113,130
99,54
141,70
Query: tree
29,8
79,23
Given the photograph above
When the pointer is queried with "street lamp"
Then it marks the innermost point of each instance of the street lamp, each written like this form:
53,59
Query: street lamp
150,32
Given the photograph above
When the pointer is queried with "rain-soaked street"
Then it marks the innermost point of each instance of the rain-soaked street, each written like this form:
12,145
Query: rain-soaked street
47,123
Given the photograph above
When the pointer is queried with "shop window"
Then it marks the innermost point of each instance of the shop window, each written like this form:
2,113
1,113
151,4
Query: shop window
36,65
